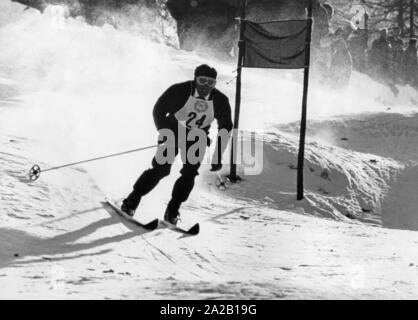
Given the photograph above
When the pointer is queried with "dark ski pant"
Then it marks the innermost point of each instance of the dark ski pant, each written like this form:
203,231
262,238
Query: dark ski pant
151,177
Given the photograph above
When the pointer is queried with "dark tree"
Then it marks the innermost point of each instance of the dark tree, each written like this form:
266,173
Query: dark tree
393,13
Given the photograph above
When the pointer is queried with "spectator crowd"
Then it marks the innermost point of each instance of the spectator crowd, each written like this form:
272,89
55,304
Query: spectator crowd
339,46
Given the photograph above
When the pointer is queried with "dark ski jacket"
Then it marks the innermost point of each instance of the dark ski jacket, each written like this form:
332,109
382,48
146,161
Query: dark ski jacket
175,97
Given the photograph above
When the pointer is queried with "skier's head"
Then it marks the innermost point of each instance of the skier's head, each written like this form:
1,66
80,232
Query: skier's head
205,79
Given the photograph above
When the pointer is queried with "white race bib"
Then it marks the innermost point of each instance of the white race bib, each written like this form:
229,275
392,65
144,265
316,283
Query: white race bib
196,113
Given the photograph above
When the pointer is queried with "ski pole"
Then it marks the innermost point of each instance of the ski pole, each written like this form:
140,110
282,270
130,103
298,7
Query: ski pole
221,183
36,170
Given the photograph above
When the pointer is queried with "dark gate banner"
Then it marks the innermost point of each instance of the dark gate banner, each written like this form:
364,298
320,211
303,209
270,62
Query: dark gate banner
277,44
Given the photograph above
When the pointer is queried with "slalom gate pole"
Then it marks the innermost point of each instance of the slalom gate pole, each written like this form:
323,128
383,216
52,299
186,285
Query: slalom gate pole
234,142
301,153
35,171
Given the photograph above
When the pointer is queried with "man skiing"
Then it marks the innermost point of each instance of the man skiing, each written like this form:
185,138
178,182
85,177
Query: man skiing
185,110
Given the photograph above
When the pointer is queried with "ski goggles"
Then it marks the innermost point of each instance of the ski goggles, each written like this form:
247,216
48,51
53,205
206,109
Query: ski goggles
202,80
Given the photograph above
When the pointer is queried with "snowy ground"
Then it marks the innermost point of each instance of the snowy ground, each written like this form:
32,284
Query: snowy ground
69,91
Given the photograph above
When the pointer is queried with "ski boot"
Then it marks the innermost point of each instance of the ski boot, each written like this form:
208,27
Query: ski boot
127,209
171,216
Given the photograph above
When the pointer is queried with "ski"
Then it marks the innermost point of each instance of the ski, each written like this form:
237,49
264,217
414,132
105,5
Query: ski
148,226
194,230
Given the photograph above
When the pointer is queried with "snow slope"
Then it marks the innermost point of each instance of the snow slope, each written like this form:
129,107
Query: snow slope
70,91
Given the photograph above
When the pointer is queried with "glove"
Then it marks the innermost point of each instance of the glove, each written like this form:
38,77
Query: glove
216,167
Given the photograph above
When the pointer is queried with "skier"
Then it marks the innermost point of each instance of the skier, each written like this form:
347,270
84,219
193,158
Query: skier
184,107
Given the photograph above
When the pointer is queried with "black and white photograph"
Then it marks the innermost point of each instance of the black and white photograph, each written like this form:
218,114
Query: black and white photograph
199,150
